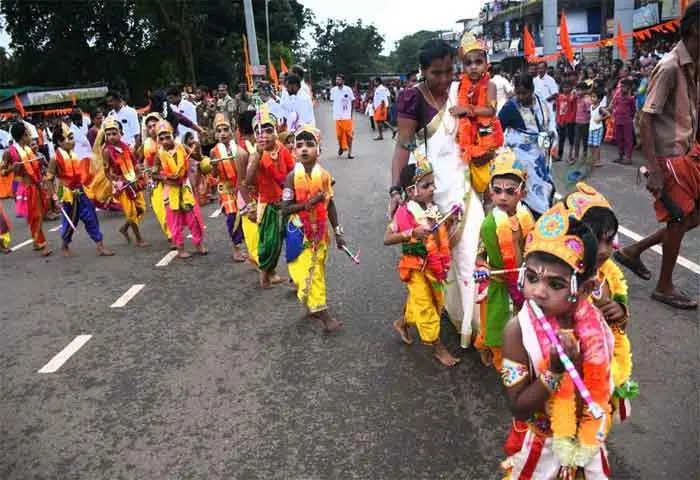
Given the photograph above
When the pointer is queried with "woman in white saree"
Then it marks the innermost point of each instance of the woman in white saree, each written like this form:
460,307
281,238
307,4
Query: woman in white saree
425,125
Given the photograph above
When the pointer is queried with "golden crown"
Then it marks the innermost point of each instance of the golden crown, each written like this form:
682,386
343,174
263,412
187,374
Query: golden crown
506,163
469,43
220,119
583,199
263,116
550,236
110,123
309,129
164,126
423,166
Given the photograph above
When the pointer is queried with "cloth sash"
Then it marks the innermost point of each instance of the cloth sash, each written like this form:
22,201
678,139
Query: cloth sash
271,235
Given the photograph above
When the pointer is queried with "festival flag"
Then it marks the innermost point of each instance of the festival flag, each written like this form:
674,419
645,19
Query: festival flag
248,73
273,76
528,43
20,107
283,66
684,5
74,99
620,42
564,39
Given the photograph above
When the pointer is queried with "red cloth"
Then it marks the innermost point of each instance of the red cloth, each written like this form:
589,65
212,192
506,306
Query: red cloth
566,108
272,174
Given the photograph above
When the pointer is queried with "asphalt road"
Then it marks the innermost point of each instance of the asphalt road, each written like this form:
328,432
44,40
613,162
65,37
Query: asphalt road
203,375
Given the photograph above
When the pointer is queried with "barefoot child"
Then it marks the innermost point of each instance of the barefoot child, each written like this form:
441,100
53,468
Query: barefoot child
173,166
425,260
596,127
122,171
503,234
148,152
479,132
610,290
74,174
227,156
308,200
562,409
269,166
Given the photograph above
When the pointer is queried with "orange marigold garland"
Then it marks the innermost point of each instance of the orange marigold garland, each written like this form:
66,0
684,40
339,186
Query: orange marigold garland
476,136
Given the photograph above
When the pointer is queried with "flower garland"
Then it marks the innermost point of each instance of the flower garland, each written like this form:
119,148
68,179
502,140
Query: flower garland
471,142
305,187
504,234
621,367
437,244
577,439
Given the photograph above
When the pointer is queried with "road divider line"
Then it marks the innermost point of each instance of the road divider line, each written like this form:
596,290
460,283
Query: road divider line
128,295
167,258
55,229
682,261
692,266
20,245
61,357
215,213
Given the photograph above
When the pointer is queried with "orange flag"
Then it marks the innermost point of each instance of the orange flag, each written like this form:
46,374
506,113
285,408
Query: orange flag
273,76
283,66
528,43
564,39
20,107
248,76
620,42
684,5
74,99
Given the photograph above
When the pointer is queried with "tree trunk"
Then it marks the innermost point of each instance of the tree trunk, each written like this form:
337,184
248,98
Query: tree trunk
188,56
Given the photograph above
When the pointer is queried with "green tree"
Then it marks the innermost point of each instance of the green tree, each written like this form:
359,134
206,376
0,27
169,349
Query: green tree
405,53
141,43
344,48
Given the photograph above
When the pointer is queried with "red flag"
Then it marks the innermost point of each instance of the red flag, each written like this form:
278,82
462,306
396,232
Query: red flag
564,39
20,107
283,66
273,76
528,43
620,41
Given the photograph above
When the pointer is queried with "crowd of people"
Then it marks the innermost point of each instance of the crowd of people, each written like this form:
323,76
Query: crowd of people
529,281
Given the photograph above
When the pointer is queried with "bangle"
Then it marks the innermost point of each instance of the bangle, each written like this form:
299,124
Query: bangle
408,234
339,230
550,380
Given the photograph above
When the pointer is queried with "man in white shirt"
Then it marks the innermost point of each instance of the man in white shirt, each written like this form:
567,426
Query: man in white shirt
342,97
381,108
127,118
185,108
298,106
504,89
82,147
545,86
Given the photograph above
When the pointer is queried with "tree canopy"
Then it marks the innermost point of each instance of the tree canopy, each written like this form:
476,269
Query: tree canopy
405,54
346,48
141,43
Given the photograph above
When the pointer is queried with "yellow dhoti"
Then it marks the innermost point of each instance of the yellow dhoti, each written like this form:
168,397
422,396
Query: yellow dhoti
308,271
158,206
423,306
251,237
134,208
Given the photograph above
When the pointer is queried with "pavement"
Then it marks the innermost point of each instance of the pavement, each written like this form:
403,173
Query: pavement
202,375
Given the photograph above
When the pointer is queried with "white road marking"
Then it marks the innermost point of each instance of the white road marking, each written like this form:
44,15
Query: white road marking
215,213
682,261
692,266
55,229
167,259
20,245
128,295
61,357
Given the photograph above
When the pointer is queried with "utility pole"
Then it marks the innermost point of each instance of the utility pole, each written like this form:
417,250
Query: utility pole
549,22
267,25
250,31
